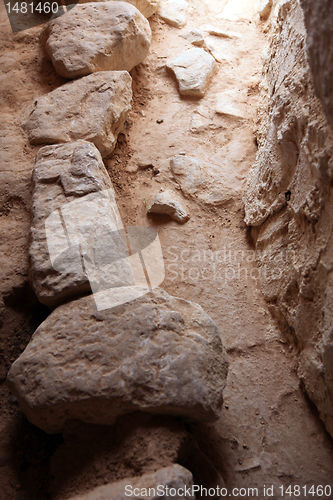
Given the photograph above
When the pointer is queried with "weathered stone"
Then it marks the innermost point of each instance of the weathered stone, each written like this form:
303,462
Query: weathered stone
265,7
290,203
195,37
161,355
227,104
93,108
221,32
174,12
168,203
148,487
193,70
101,36
146,7
73,202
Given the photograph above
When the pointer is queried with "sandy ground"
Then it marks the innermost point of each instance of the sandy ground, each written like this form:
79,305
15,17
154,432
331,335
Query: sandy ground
268,433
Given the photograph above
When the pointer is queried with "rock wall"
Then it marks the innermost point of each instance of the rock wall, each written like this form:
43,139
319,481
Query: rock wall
289,200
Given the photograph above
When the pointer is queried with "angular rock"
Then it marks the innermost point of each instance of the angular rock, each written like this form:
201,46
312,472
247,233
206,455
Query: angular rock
265,7
97,37
195,37
227,104
168,203
146,7
216,31
93,108
174,12
149,487
160,355
193,70
74,215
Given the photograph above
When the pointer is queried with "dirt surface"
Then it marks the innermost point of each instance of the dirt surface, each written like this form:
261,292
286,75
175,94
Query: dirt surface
268,433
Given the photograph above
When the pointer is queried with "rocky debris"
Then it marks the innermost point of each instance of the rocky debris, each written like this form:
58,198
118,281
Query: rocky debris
149,486
161,355
168,203
174,12
74,215
265,7
195,37
193,70
93,108
289,203
146,7
101,36
227,104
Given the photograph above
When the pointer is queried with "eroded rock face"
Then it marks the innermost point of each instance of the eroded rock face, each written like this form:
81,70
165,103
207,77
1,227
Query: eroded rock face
73,203
149,486
160,354
101,36
168,203
146,7
193,70
93,108
174,12
290,202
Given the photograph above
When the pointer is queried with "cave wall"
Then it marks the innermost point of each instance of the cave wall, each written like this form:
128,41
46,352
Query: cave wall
289,200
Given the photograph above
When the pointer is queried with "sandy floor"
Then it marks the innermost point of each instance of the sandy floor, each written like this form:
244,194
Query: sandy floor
268,434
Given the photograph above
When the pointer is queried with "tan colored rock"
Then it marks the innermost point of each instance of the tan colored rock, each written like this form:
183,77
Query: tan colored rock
265,7
101,36
146,7
193,69
289,201
227,103
174,12
73,203
168,203
160,354
174,482
93,108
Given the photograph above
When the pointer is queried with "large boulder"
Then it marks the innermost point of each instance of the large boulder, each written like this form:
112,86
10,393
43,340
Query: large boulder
159,354
93,108
146,7
101,36
75,224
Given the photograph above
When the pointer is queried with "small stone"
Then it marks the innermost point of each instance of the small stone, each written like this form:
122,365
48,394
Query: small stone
173,477
189,173
146,7
265,7
174,12
226,104
159,120
168,203
159,354
93,108
216,31
195,37
193,70
97,37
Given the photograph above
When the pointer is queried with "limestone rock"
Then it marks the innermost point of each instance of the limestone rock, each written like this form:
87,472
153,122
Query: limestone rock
73,203
265,7
146,7
168,203
227,104
193,70
174,12
148,487
101,36
93,108
161,355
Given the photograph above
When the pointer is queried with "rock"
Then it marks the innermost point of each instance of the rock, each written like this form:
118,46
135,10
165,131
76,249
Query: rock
174,12
216,31
265,7
193,70
69,180
195,37
97,37
226,104
146,7
161,355
237,10
168,203
93,108
202,119
174,482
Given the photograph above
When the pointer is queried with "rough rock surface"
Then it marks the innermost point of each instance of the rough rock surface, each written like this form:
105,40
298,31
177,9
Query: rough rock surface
71,182
168,203
161,354
319,26
93,108
193,70
265,7
97,37
146,7
146,486
174,12
290,202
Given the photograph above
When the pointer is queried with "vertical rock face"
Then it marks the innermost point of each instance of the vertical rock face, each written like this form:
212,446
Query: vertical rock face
73,202
319,27
289,200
